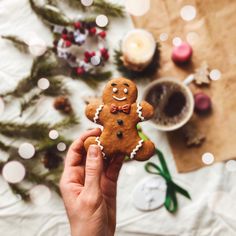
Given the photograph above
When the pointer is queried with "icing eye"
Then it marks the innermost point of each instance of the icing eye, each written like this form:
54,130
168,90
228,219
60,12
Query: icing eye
115,90
126,90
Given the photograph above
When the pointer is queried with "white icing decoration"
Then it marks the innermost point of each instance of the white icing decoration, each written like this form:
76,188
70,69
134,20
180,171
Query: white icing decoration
100,145
139,111
96,116
139,145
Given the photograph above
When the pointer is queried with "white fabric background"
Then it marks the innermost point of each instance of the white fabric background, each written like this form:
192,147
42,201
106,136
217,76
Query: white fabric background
211,211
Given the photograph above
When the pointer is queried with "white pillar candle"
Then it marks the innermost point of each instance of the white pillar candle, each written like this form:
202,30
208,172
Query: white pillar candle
138,48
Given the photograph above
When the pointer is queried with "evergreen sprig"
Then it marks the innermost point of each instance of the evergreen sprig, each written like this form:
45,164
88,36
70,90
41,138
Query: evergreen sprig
149,71
50,13
36,131
99,6
17,42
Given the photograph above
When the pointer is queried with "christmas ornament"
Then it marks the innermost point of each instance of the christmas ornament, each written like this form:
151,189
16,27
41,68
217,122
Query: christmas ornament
63,104
188,12
215,74
150,193
51,160
202,75
71,40
193,137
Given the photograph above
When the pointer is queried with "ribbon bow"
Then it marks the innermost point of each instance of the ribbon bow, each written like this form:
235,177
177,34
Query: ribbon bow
125,108
171,203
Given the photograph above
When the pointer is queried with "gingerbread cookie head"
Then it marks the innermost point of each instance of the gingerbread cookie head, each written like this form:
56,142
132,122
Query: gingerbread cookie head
119,92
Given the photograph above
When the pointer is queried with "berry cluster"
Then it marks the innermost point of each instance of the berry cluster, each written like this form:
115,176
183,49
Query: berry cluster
76,36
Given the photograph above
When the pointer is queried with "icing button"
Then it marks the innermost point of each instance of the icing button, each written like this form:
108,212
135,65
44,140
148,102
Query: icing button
119,134
120,122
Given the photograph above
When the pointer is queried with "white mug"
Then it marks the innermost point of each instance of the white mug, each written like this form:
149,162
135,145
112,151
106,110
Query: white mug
188,96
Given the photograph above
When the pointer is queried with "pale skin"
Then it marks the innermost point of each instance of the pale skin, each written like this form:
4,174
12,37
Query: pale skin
89,189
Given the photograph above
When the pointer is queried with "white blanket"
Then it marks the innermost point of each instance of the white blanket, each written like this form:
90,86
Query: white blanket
211,212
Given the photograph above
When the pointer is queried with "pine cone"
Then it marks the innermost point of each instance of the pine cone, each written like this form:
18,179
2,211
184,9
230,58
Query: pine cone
63,104
51,160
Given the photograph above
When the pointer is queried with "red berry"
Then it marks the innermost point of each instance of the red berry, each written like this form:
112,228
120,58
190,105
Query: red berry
103,34
92,31
87,54
105,56
92,54
77,25
64,36
86,59
103,51
80,71
68,43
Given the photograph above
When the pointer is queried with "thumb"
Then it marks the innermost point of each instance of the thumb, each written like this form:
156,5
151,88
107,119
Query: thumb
93,168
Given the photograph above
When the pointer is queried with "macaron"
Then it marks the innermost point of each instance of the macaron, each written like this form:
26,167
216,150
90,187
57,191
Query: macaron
182,53
202,103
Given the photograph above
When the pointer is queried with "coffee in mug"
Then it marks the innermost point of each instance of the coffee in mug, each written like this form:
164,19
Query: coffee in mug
172,101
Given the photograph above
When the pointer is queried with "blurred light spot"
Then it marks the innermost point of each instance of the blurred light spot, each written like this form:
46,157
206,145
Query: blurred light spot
43,83
208,158
26,150
188,12
53,134
95,60
192,37
13,172
137,7
86,3
163,37
61,147
231,165
102,20
215,74
176,41
40,195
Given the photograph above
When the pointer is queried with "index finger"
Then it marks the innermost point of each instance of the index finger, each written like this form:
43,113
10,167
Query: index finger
75,153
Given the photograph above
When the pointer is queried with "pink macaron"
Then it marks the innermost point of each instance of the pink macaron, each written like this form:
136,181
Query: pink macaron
182,53
202,103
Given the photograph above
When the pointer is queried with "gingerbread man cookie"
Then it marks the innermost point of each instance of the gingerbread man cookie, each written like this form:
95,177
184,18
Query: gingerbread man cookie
119,114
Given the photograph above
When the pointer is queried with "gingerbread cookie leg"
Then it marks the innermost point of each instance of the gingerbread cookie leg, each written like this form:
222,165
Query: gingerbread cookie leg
93,140
145,151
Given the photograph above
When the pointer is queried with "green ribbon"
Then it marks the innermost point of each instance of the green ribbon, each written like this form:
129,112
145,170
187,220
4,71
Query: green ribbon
171,203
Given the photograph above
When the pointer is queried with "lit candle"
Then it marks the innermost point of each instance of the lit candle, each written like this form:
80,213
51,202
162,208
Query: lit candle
138,49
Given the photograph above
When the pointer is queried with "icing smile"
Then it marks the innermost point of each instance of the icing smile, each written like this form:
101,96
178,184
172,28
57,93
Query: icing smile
119,99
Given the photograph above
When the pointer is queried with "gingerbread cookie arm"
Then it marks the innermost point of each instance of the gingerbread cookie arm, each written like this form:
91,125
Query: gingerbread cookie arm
93,111
145,111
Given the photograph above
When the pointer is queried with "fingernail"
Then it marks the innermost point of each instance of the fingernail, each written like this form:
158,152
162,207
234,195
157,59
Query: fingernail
93,150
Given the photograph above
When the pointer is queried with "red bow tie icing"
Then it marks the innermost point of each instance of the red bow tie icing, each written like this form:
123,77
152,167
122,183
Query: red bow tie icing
125,108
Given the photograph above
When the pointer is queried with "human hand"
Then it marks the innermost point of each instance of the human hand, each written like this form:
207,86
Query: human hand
89,190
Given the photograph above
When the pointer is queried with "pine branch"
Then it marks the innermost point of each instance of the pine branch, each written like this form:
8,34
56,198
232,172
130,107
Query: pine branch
39,179
107,8
17,189
36,131
17,42
50,13
147,72
93,78
99,6
4,147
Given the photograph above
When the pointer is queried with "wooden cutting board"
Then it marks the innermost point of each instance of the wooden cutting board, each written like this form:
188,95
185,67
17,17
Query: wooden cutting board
215,43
